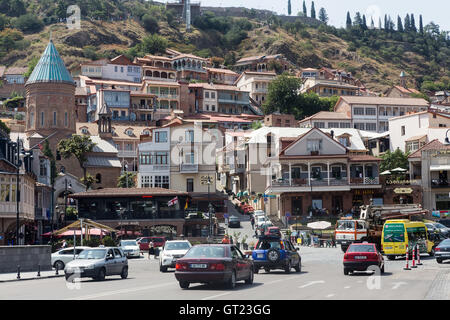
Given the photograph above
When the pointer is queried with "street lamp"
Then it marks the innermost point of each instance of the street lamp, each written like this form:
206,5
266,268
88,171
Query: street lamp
66,187
153,216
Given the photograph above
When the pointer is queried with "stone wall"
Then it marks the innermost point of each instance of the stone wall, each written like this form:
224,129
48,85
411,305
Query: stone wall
28,257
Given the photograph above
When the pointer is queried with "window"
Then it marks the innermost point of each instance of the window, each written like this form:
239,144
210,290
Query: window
441,125
42,119
66,119
130,132
319,125
314,144
403,131
189,158
344,141
371,112
115,69
162,157
42,168
213,108
358,111
117,253
146,181
371,126
54,118
336,172
207,107
189,135
161,136
359,126
344,125
190,185
213,95
98,178
333,124
206,94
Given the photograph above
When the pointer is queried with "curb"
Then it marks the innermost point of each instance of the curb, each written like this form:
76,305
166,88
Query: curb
33,278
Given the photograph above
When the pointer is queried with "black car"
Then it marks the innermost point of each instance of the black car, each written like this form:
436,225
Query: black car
234,222
272,252
442,251
445,222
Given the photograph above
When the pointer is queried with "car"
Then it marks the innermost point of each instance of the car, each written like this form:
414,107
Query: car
145,242
260,220
214,263
97,263
60,258
172,251
442,251
264,227
361,256
234,222
445,222
273,231
130,248
442,229
259,213
272,252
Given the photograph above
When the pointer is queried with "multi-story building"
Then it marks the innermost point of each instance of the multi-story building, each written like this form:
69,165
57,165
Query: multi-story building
13,81
326,119
119,68
257,83
221,76
412,131
373,113
280,120
328,88
263,63
402,90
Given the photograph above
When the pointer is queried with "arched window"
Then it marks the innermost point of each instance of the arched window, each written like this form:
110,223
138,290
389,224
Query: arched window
98,178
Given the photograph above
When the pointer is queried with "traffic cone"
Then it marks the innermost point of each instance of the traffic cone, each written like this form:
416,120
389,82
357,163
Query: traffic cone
414,258
407,260
418,256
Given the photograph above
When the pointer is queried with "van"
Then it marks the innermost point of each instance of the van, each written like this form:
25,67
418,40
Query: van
399,233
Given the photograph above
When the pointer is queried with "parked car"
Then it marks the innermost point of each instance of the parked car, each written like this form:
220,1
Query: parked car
234,222
60,258
214,263
442,251
272,252
172,251
145,242
445,222
442,229
360,256
97,263
259,213
273,231
130,248
261,220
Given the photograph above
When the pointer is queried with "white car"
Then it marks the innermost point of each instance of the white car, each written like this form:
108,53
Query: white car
258,213
130,248
260,220
172,251
60,258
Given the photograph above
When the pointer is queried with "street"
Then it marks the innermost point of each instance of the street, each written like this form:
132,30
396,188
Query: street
321,278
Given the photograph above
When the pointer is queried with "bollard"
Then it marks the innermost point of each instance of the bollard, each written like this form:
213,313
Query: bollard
418,256
414,258
18,272
56,267
39,270
407,260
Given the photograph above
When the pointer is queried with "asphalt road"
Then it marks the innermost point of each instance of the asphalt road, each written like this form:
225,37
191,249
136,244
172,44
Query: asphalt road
321,278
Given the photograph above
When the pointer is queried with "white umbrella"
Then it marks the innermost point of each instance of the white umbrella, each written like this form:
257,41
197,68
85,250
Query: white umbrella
399,170
319,225
384,173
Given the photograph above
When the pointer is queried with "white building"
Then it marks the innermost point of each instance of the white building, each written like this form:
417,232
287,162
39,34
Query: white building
257,83
119,68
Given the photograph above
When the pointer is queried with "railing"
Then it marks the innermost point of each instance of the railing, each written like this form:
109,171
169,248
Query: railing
168,96
366,180
132,215
188,168
312,182
439,183
155,167
127,154
231,101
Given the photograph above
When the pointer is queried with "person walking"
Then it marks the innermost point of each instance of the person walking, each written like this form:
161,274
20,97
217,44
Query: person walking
64,244
225,239
151,249
252,221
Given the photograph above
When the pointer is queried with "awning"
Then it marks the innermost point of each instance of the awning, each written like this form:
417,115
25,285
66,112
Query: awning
440,167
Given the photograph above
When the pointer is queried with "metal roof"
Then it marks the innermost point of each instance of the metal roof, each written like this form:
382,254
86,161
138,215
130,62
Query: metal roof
50,68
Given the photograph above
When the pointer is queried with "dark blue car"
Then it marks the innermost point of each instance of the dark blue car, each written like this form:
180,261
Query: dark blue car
272,252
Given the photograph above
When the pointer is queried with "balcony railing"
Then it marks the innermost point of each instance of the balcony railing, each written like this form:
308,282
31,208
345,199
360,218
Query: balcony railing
132,215
439,183
188,168
318,182
366,180
127,154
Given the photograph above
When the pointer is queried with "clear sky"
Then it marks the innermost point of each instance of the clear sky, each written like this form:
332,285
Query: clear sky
437,11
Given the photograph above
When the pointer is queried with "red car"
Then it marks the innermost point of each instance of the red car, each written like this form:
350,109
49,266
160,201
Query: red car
214,263
273,231
361,256
144,242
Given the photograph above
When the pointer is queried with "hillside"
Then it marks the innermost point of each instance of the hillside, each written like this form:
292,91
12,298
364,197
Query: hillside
375,56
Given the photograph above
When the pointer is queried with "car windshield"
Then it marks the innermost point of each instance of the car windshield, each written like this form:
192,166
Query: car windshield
445,243
346,225
124,243
206,252
361,248
177,246
157,239
440,226
93,254
268,244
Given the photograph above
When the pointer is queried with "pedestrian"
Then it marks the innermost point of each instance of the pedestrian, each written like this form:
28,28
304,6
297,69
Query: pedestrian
151,249
302,239
226,239
64,244
156,251
252,221
231,240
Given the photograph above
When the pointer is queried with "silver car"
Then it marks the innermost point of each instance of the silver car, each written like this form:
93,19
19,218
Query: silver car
60,258
97,263
172,251
130,248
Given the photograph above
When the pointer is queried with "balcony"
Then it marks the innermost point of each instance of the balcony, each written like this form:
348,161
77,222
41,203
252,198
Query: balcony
127,154
145,168
439,183
365,181
168,96
232,101
40,213
188,168
237,169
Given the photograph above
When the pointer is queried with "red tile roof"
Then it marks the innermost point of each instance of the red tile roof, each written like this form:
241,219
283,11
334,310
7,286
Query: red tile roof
432,145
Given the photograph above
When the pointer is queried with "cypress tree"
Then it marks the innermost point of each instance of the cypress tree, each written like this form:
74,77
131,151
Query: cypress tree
407,25
305,12
399,24
313,11
349,21
364,22
323,15
413,23
289,7
386,25
420,24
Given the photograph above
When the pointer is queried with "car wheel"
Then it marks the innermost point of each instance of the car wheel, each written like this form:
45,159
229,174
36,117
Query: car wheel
184,284
101,274
124,273
298,267
231,283
287,268
162,269
250,277
267,270
59,265
256,270
273,255
439,260
346,271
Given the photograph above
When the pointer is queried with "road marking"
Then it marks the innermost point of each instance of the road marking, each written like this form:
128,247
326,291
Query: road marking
347,287
217,295
110,293
311,283
396,285
330,295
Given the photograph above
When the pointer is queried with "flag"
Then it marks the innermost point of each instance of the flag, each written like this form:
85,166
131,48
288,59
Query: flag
186,205
173,202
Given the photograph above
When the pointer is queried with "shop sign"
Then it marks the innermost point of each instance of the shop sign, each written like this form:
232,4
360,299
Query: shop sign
403,190
402,182
362,192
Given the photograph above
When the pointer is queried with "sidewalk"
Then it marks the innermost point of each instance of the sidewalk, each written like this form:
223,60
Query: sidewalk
9,277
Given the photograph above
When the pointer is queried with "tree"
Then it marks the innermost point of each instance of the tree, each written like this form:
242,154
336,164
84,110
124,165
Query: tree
77,146
28,23
349,21
413,23
364,22
323,16
289,7
127,180
150,23
305,12
282,94
399,24
256,125
420,24
392,160
357,22
407,25
313,11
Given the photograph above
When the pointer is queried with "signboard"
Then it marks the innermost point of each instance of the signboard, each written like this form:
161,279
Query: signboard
225,216
403,190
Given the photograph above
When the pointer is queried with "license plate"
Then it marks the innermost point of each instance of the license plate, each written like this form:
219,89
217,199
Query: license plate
360,257
388,248
199,266
260,255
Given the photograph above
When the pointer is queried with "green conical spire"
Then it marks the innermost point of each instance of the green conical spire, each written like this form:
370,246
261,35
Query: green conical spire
50,68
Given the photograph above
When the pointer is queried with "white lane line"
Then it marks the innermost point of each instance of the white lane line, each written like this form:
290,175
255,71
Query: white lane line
311,283
330,295
347,287
123,291
217,295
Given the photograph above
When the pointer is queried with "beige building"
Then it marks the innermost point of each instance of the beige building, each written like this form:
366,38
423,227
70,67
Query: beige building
257,83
